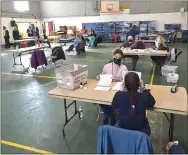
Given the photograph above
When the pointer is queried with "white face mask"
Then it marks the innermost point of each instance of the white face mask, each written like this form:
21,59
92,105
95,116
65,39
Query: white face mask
157,41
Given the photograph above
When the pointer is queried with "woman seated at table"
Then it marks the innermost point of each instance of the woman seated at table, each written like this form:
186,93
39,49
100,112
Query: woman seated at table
75,43
131,44
117,70
160,45
44,39
128,109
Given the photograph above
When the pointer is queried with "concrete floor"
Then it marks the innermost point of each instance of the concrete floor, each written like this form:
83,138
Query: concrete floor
30,117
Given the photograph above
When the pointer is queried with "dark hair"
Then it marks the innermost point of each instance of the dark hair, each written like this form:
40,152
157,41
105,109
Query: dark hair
132,84
134,27
118,51
82,38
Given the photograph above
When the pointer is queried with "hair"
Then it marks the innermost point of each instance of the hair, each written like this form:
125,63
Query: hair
4,27
118,51
133,27
82,38
162,41
78,35
132,84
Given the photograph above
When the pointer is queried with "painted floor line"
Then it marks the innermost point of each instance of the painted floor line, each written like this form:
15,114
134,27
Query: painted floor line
32,149
13,91
28,75
151,82
152,75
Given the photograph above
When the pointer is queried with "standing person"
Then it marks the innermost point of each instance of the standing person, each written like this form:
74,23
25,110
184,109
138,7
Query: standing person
83,30
37,32
6,37
133,31
129,106
131,43
30,32
16,35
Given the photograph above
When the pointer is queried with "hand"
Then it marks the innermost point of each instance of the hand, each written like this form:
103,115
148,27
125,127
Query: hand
142,85
98,77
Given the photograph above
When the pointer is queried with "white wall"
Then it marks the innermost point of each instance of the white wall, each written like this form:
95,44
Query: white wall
8,10
67,8
6,22
161,18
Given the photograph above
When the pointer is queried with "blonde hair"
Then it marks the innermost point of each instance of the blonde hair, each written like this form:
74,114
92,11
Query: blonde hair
78,35
162,41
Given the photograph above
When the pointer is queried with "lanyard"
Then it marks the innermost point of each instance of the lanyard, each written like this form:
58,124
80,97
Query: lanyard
113,70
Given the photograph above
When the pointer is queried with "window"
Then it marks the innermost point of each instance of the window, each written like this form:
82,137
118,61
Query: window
21,5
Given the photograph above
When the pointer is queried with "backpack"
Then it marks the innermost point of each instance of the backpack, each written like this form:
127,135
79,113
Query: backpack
58,53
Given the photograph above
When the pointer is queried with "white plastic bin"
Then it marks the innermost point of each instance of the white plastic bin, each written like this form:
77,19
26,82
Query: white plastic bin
71,76
168,69
172,78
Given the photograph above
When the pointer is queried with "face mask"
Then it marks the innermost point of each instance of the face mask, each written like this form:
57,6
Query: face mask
117,61
130,41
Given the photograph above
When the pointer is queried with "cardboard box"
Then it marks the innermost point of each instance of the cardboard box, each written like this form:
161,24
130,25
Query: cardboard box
71,76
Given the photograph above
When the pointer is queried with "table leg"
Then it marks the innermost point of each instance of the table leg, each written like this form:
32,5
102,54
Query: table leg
14,57
66,116
171,125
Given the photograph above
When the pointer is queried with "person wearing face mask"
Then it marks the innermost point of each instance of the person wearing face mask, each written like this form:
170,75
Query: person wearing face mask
159,45
130,43
117,70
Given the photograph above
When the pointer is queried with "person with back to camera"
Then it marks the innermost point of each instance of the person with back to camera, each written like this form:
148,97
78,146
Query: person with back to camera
131,44
117,70
129,106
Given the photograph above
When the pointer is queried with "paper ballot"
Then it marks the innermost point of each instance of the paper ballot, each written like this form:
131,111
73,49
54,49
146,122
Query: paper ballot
118,86
105,80
102,88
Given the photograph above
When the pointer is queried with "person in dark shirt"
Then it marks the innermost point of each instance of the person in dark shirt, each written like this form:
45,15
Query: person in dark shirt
128,109
159,45
130,43
30,32
133,31
6,37
93,33
16,35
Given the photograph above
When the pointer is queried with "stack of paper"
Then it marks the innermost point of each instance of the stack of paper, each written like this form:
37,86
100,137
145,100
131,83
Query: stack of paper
118,86
104,82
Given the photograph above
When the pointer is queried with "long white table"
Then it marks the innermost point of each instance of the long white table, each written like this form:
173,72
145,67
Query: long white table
18,52
23,40
166,102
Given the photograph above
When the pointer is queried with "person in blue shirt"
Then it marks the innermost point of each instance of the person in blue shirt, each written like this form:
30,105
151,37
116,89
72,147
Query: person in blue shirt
128,109
133,31
76,41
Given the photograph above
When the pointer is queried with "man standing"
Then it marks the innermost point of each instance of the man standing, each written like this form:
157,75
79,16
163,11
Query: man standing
16,35
30,32
6,37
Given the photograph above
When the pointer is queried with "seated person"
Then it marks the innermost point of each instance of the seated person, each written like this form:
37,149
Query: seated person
159,45
81,46
91,41
117,70
75,43
44,39
83,30
93,33
128,109
130,43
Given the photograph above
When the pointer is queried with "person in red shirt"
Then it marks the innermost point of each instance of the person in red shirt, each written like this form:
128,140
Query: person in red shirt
84,30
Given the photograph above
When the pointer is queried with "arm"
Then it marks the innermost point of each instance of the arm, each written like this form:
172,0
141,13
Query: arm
133,46
13,34
151,101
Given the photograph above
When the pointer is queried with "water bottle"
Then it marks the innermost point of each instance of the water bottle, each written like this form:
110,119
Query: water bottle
80,111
